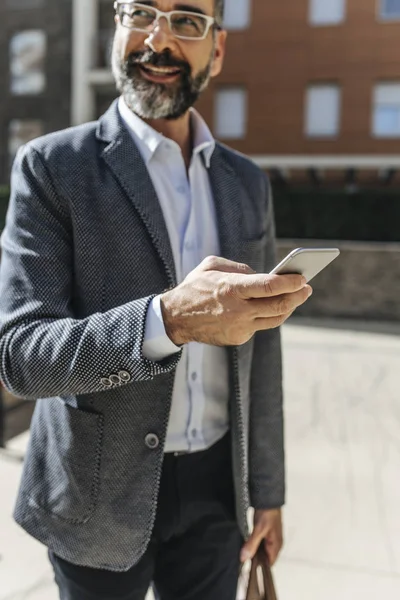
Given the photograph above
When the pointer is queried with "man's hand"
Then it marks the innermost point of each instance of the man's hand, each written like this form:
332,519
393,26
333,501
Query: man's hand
267,528
223,303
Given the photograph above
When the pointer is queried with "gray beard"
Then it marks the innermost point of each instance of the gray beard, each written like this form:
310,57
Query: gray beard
156,100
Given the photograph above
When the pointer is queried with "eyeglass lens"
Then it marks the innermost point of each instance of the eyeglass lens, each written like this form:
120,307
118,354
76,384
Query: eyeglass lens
143,18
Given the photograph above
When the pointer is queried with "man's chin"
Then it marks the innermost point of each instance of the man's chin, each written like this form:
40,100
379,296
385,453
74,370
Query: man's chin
153,111
155,103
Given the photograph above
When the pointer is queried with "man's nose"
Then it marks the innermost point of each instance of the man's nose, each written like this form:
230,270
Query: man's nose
160,37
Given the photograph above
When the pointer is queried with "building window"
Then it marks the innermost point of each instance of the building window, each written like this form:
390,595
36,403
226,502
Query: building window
327,12
230,120
27,62
323,111
386,118
22,131
237,14
390,9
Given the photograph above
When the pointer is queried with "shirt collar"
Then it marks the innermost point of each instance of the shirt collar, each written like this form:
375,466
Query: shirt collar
150,139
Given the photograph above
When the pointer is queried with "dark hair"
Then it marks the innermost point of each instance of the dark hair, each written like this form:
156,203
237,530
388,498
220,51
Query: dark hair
219,11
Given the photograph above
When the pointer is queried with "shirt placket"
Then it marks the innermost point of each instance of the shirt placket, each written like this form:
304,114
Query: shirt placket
190,260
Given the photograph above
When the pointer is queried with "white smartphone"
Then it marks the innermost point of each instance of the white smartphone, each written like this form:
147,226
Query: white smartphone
306,261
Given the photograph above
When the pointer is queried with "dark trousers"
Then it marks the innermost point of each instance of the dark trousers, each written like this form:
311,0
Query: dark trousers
194,551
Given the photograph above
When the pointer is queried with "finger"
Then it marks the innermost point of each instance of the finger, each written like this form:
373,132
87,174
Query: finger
273,323
268,286
267,324
279,306
250,548
217,263
273,546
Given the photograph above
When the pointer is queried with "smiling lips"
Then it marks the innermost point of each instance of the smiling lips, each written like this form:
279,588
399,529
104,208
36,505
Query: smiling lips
160,74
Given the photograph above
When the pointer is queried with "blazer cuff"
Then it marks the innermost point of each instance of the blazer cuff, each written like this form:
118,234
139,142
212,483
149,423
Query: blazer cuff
265,496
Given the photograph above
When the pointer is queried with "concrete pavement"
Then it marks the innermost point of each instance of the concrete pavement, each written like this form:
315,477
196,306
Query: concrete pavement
342,519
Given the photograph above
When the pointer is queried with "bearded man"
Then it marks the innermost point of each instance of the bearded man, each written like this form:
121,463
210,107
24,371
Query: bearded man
137,309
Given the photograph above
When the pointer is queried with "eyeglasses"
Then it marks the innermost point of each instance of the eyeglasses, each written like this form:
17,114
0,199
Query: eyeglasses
184,25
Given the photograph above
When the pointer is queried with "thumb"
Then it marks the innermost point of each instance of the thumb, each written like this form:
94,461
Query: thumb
250,548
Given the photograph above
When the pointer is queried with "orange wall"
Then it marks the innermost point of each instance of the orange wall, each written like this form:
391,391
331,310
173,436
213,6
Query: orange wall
281,54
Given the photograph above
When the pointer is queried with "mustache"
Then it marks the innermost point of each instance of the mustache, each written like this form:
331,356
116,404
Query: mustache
163,59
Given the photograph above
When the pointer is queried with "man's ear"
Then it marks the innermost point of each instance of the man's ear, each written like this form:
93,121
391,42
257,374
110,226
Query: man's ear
219,53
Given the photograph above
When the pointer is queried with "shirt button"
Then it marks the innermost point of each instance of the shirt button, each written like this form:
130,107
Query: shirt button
152,441
181,189
194,433
194,376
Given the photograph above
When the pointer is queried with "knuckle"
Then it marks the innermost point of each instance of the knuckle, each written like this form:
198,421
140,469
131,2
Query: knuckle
243,268
284,305
268,286
227,287
210,262
298,281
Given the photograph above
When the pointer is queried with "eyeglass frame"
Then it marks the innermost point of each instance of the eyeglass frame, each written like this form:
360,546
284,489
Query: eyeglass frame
211,21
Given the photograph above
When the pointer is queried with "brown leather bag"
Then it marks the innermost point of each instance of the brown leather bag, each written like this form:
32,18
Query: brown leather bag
260,566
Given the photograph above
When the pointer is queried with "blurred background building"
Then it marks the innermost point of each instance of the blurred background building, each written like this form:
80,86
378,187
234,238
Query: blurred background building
35,72
310,91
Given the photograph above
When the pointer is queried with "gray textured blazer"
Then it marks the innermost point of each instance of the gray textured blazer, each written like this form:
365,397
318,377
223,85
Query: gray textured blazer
84,251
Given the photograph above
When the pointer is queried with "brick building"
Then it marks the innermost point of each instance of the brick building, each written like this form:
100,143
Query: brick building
308,86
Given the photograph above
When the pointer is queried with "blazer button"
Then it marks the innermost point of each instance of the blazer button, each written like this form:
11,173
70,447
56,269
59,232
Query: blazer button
106,382
152,441
115,380
125,376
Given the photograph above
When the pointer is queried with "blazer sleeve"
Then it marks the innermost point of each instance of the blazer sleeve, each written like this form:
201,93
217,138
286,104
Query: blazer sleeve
266,439
44,350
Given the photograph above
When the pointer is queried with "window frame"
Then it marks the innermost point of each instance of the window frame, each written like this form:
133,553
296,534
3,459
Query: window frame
384,18
249,22
375,135
323,136
13,56
312,23
227,88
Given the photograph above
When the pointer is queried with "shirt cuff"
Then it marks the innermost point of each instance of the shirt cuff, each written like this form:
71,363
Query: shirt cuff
156,345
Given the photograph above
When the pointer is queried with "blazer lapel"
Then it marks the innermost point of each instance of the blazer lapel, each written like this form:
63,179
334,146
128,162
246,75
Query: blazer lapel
125,160
227,192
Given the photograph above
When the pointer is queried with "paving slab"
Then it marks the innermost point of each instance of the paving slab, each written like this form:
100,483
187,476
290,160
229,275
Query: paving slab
342,519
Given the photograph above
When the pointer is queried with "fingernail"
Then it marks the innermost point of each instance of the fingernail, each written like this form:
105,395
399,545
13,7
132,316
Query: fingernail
310,291
245,555
303,282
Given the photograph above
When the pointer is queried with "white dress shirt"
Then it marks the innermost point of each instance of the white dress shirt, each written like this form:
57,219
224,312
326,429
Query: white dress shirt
199,413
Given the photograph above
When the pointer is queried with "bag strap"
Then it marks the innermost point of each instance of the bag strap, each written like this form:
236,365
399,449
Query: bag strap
253,590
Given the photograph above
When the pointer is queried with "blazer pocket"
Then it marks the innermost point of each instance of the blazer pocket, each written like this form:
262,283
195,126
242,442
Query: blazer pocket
63,464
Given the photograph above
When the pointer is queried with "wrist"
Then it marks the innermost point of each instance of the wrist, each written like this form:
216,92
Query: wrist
172,319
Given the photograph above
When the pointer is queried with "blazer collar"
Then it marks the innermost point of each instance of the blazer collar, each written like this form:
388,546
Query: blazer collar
126,162
124,159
